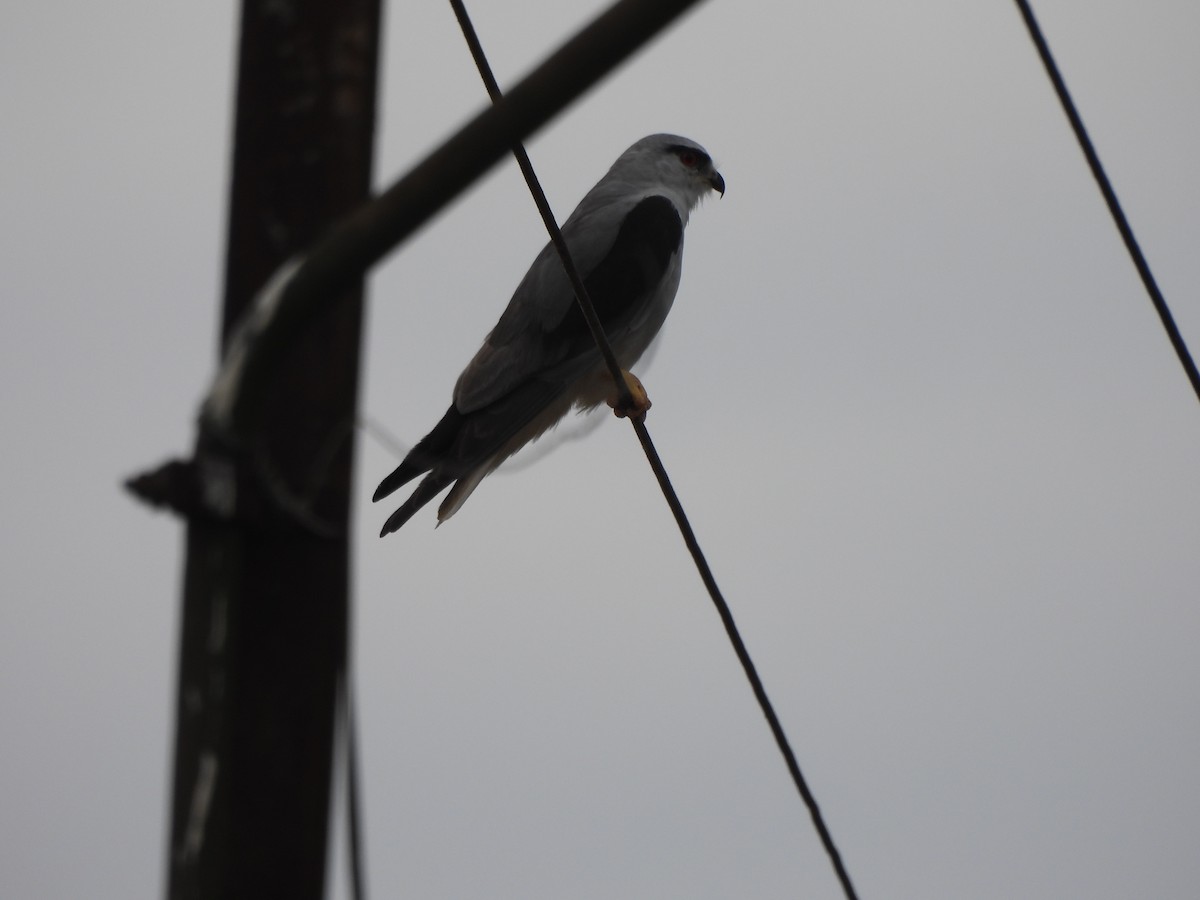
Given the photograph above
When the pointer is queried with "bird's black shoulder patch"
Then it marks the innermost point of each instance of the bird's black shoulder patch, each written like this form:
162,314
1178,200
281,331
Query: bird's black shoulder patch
649,236
654,226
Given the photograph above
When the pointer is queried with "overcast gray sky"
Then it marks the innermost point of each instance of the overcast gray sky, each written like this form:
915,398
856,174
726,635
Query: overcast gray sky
926,423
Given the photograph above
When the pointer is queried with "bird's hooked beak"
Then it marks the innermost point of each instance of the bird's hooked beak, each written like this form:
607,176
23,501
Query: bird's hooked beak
718,183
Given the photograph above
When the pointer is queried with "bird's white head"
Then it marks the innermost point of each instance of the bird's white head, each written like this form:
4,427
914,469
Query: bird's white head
670,163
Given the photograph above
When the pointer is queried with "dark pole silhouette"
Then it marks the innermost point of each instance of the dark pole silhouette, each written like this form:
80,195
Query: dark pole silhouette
266,595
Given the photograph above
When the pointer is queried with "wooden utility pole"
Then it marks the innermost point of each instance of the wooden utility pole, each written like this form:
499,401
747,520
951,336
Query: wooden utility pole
265,605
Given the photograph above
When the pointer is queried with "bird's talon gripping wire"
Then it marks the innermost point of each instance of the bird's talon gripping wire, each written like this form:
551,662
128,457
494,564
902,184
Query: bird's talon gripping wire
639,400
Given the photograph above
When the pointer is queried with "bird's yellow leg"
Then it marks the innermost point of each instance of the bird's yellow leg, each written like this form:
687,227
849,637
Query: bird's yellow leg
639,399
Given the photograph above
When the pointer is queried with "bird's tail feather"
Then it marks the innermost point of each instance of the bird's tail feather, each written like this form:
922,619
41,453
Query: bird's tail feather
400,476
424,456
431,485
461,491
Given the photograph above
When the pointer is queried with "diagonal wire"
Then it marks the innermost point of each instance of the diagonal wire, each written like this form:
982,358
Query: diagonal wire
657,466
1110,197
355,851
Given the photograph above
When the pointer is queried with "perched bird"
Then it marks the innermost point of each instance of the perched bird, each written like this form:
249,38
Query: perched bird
626,239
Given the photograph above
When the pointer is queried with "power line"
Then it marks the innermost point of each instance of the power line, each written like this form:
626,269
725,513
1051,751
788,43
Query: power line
656,464
355,850
1110,197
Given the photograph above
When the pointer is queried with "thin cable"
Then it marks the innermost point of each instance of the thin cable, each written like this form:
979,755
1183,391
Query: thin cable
743,655
355,852
1110,197
660,471
384,437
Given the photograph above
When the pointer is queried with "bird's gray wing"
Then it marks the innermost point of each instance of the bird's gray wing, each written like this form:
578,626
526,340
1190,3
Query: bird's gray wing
536,358
622,249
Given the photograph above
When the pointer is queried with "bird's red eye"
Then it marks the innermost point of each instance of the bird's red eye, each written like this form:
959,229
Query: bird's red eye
689,159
